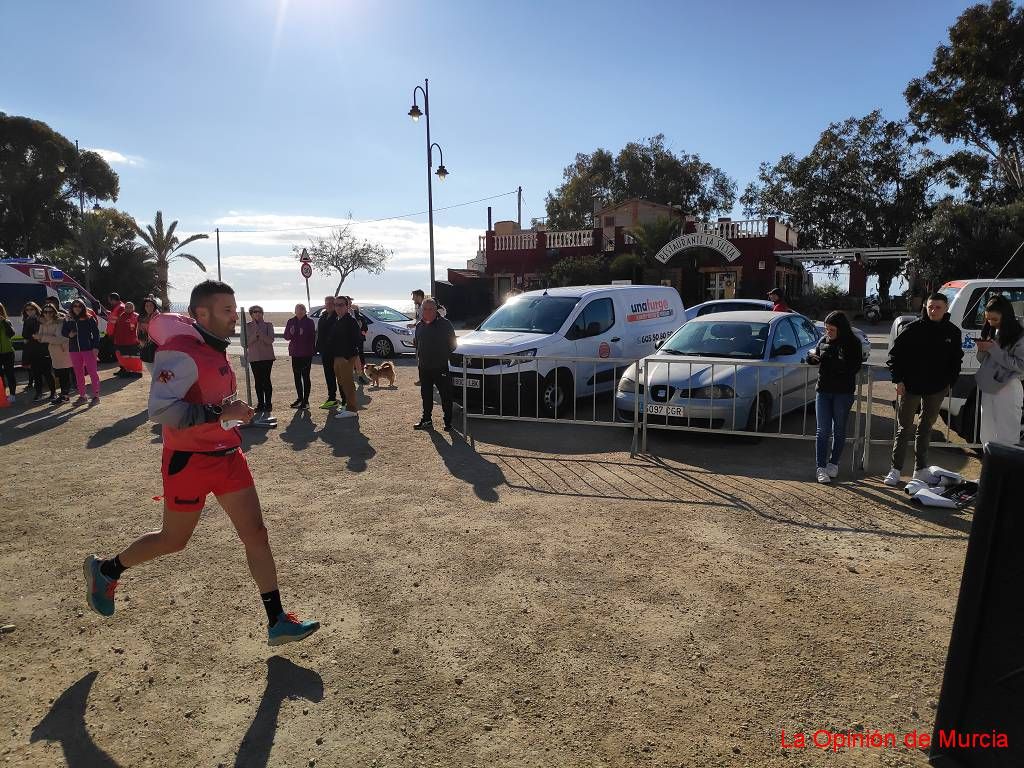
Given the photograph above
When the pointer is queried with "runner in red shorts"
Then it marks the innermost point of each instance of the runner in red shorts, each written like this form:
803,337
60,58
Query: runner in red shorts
193,397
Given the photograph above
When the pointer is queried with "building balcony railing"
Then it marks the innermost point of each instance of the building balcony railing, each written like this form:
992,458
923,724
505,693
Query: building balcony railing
518,241
735,229
577,238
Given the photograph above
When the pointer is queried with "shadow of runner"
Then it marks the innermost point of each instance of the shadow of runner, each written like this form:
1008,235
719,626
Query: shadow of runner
300,431
120,428
350,442
285,680
469,466
65,724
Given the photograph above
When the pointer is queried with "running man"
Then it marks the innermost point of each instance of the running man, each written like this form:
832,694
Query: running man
193,397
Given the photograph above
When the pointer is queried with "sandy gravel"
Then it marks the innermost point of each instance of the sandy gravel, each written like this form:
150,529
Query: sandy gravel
535,598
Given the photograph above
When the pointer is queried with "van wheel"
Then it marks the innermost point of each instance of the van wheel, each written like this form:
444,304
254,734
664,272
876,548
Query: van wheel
556,393
760,413
382,347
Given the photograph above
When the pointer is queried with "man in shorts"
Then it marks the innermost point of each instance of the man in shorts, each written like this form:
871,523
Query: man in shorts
193,397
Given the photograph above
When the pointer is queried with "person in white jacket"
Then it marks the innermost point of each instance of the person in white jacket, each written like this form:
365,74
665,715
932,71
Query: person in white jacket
1001,353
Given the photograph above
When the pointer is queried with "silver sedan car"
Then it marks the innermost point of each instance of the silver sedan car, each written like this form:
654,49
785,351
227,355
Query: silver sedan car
738,370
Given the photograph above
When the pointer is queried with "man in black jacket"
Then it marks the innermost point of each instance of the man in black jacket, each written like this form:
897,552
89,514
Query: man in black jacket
924,363
324,328
346,341
435,341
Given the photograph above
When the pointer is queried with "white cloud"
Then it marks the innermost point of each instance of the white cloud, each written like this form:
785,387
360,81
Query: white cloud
114,157
261,267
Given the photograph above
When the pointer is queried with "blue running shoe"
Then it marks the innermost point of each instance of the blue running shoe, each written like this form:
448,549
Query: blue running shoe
289,629
99,590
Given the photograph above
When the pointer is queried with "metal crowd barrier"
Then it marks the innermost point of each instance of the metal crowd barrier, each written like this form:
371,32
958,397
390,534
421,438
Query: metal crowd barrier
519,375
947,407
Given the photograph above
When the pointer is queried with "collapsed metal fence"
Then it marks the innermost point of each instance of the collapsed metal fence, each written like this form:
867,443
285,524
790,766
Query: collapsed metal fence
746,398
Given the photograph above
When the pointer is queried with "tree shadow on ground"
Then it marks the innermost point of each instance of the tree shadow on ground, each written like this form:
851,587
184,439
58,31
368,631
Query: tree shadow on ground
463,462
120,428
65,724
346,439
285,680
301,430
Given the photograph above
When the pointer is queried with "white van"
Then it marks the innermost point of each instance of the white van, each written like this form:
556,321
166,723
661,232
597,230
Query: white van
25,280
605,322
967,300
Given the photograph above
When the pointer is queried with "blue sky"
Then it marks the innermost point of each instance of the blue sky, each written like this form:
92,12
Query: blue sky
256,114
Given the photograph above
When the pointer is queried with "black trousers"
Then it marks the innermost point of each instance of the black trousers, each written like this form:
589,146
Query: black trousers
64,377
9,374
300,370
42,375
329,377
439,378
264,389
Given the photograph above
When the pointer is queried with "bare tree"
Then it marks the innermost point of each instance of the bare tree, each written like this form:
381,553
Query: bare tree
344,253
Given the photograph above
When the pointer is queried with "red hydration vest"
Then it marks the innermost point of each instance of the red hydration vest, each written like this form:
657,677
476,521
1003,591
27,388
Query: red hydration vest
210,380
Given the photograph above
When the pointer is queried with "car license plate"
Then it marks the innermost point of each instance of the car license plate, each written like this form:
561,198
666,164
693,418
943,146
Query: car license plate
471,383
657,409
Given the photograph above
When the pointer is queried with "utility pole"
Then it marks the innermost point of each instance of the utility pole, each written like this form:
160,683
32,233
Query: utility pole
519,208
218,253
81,219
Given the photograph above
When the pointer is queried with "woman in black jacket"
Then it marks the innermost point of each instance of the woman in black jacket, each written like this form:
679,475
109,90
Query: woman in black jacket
838,357
36,353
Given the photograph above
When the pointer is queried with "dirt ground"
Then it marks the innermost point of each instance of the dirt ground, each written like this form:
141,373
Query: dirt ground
533,597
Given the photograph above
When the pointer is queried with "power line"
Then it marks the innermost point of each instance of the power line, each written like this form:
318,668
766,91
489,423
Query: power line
368,221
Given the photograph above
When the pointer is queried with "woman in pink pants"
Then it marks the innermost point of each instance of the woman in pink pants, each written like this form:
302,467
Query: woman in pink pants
84,336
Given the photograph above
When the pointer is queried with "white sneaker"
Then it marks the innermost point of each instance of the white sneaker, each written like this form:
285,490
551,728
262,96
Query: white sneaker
832,469
823,475
346,414
893,478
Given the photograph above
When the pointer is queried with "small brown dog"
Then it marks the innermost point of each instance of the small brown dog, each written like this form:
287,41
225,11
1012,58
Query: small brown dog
385,370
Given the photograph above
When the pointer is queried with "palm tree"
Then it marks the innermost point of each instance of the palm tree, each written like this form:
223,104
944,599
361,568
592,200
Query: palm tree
652,236
165,247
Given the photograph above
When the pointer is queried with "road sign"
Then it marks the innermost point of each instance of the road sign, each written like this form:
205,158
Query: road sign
307,270
305,258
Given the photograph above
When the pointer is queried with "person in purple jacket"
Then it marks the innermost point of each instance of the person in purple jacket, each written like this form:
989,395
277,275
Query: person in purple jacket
300,331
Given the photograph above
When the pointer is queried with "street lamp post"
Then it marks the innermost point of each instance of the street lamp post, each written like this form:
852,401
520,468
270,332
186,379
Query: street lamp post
442,172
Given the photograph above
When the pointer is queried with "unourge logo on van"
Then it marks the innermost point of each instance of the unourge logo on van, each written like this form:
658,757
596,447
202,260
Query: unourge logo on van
648,310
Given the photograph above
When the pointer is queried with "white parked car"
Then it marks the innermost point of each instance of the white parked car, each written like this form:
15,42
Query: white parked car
745,305
709,373
387,332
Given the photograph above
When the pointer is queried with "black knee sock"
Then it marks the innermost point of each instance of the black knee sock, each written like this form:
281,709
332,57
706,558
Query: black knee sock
112,569
272,602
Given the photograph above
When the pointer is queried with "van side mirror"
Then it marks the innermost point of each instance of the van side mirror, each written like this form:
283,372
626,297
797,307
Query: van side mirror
573,333
784,350
658,343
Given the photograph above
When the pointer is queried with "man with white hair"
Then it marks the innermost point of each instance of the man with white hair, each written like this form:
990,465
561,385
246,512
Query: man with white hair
435,341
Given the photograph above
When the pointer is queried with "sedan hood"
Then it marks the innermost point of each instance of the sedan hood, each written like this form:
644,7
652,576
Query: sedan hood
692,371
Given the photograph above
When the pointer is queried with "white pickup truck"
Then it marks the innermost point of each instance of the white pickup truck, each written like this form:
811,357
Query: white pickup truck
967,311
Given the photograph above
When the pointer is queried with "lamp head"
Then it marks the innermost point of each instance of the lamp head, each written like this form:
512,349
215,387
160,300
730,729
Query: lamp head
415,113
442,172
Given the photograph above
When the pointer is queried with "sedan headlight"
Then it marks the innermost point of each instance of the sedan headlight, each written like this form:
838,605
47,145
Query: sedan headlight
627,383
403,331
513,361
712,392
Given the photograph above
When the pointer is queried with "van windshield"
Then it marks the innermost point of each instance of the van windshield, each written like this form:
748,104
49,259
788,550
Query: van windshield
950,292
533,314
